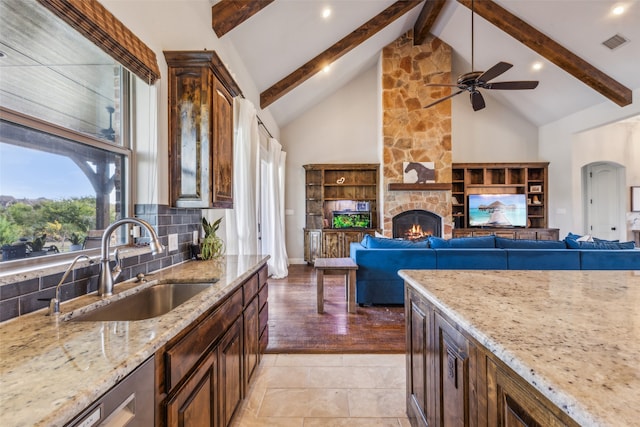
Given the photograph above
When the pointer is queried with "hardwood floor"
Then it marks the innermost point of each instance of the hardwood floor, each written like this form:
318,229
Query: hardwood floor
296,327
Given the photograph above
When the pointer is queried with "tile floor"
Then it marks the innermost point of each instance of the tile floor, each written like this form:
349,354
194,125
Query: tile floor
309,390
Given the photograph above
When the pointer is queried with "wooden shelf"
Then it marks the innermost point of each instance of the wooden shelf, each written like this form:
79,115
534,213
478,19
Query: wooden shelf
420,187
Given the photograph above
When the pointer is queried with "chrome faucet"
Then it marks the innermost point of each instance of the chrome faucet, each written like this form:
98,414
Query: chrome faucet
107,277
54,304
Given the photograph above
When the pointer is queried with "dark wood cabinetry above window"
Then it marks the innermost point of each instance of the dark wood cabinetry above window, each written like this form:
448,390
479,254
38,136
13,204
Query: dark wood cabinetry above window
201,93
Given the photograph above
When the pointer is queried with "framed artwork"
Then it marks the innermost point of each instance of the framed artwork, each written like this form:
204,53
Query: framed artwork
535,189
635,199
418,172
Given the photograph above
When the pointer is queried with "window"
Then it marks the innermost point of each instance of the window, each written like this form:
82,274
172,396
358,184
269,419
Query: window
64,139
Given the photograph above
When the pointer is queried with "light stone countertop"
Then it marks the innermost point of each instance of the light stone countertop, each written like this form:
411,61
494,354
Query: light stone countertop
51,369
573,335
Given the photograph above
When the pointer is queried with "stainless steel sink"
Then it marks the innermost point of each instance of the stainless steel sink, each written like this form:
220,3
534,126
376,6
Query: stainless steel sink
151,302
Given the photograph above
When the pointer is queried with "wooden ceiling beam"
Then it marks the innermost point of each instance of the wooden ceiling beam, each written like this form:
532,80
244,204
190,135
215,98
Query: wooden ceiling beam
228,14
340,48
552,51
426,19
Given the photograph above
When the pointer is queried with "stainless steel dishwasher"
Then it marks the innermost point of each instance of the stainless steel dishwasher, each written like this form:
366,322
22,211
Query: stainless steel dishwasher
129,403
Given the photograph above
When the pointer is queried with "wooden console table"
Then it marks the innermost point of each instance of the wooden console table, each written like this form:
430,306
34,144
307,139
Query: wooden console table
337,266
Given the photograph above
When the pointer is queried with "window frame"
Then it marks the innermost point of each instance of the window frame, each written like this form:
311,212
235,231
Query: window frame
124,149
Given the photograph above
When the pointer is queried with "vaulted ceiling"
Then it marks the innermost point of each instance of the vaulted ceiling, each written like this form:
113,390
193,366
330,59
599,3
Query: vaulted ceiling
287,44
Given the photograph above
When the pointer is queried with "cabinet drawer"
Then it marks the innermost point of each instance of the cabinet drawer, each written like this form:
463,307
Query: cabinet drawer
263,295
263,318
183,355
250,289
263,275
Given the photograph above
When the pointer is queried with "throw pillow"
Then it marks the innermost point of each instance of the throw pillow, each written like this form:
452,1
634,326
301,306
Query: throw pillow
386,243
505,243
574,244
463,242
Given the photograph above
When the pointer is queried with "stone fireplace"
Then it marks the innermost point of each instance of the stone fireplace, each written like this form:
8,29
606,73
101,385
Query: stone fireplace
416,225
412,133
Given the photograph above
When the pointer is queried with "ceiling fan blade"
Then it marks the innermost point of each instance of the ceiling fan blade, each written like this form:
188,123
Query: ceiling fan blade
477,100
522,84
442,85
494,72
444,99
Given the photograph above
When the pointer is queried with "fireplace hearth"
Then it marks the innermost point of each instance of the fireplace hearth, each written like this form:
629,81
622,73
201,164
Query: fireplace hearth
417,225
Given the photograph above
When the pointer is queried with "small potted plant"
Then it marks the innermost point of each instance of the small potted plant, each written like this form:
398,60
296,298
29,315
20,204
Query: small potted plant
76,242
211,246
36,246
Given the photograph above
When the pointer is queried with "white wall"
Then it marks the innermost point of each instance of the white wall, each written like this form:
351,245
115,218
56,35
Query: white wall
568,146
344,128
179,25
495,134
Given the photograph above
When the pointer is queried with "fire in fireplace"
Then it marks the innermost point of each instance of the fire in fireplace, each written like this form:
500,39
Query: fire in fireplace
416,225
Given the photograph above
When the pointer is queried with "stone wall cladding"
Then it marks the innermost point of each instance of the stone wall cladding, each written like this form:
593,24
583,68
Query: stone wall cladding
412,133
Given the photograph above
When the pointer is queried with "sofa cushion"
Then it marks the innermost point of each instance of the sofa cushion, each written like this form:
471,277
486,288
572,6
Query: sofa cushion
606,245
384,243
505,243
463,242
610,260
548,259
471,259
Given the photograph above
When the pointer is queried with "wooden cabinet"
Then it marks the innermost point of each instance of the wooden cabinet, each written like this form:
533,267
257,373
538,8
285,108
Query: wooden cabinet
201,93
194,404
530,179
351,189
452,380
203,373
510,233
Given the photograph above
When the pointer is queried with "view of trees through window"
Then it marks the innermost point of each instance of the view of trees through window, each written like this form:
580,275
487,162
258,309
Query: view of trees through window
54,192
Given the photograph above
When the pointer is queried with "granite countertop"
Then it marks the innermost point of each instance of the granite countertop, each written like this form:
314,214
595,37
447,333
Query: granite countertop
573,335
51,369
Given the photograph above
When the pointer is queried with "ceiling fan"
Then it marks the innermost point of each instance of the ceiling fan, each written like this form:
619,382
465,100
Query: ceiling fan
474,80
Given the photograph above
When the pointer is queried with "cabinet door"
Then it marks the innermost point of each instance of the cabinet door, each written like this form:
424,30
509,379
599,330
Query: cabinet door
222,146
510,404
312,245
251,340
421,385
331,244
189,136
195,403
230,350
456,403
347,238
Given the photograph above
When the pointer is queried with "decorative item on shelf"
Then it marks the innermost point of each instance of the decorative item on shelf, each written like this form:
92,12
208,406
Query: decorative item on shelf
535,189
212,246
418,172
536,200
340,181
454,200
529,200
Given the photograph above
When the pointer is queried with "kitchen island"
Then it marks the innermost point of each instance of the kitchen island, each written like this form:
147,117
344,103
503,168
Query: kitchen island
523,347
51,368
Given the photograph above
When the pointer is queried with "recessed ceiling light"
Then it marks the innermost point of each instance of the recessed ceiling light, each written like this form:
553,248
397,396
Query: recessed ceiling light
326,68
326,12
537,66
618,10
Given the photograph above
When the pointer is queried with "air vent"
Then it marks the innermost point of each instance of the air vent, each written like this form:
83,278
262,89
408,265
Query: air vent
615,42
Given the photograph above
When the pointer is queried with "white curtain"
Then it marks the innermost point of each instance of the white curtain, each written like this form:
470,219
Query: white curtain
273,234
242,220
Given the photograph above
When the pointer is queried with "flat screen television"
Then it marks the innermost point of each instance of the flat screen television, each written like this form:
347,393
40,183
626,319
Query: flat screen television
497,210
351,219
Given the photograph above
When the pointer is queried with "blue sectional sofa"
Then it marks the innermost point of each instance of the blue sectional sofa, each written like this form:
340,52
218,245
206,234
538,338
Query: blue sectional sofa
379,259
